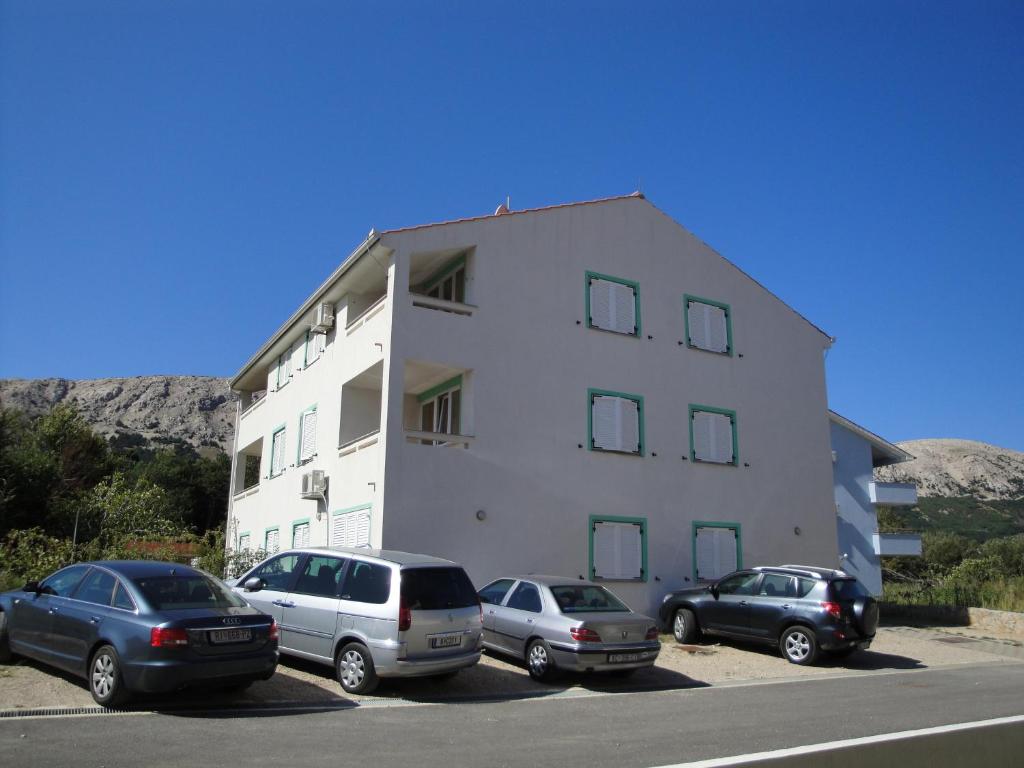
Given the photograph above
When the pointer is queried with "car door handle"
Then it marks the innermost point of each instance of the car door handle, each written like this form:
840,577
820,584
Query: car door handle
743,602
95,619
53,611
491,613
786,607
283,603
529,621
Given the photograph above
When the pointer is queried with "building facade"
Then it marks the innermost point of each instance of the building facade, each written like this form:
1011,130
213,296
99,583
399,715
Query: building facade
585,389
855,454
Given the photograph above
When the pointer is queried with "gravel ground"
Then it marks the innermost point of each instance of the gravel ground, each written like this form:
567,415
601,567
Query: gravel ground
27,685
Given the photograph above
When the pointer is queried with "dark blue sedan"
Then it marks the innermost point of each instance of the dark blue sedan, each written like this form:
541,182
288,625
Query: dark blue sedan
144,626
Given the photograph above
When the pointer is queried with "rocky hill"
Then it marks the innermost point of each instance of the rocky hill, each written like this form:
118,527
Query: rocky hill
146,410
959,468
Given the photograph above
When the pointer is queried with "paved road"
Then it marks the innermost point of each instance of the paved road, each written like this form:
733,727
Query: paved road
617,730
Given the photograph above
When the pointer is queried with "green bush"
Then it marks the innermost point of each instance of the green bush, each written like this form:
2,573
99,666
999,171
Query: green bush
30,554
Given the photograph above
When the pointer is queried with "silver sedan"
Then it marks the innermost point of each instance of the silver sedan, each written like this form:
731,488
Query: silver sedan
557,624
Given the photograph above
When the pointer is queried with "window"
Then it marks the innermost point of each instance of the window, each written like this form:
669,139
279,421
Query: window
613,304
284,369
740,584
495,592
716,550
307,435
589,599
277,573
804,586
272,541
179,593
525,598
616,422
441,408
98,587
713,435
314,348
300,534
122,599
777,585
277,453
367,583
708,325
450,283
63,582
351,528
243,542
320,576
437,589
618,548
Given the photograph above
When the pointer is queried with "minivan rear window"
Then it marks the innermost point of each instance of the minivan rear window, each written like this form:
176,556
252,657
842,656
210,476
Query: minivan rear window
435,589
848,589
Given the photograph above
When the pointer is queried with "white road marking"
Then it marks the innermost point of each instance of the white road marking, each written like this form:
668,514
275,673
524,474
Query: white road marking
829,746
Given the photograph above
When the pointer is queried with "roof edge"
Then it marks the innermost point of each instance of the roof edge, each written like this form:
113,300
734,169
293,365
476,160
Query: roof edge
897,454
308,304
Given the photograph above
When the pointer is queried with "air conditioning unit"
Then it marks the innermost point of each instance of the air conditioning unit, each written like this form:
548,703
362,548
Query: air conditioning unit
324,318
314,484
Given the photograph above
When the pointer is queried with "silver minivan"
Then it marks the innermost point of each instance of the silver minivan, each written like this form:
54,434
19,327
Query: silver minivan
370,613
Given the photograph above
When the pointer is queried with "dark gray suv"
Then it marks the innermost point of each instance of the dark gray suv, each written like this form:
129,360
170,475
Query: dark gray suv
802,609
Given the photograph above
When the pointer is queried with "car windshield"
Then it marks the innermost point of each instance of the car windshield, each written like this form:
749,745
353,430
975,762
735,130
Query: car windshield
586,599
435,589
848,589
176,593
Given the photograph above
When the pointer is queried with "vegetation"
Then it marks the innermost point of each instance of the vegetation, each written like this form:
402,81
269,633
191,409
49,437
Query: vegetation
977,519
956,570
68,495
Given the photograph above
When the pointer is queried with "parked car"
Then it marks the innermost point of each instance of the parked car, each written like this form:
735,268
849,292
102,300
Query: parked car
131,626
369,613
803,610
558,624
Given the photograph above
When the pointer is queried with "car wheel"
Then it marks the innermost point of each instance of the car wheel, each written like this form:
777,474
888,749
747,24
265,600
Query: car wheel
684,626
798,645
539,661
354,669
106,684
5,643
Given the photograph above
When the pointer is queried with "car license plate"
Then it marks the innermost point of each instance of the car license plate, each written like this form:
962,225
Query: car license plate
219,636
625,658
445,641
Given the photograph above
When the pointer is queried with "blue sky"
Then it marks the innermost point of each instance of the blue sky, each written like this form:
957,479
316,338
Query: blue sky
176,177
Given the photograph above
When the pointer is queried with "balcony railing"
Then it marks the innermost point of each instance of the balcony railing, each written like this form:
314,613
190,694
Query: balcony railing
893,494
252,490
441,439
252,407
364,317
359,444
906,544
455,307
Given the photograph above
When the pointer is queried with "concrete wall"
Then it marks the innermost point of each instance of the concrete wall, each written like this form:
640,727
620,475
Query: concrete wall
857,520
532,358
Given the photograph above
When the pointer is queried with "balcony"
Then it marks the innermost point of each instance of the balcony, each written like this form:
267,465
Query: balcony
437,407
905,544
893,494
453,307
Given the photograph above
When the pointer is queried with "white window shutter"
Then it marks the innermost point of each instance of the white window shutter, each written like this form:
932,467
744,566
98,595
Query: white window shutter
629,425
351,529
277,453
708,326
273,541
712,437
601,304
706,554
727,560
243,542
604,422
338,531
308,435
361,524
618,550
624,298
300,536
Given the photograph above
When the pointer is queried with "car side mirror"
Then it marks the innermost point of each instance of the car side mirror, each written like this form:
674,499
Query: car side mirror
713,589
31,586
255,584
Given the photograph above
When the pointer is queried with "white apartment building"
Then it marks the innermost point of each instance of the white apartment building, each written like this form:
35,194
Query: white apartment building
583,389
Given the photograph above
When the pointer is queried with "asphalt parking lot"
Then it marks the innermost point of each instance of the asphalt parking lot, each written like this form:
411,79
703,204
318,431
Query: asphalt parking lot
26,686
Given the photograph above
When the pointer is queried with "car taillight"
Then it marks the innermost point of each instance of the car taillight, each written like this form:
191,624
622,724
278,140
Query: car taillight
404,616
652,634
832,609
162,637
584,635
273,629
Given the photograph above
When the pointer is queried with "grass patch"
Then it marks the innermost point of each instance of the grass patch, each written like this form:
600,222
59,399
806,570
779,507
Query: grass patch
1004,594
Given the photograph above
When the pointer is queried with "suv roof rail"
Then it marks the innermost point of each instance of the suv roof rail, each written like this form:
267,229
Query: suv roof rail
816,570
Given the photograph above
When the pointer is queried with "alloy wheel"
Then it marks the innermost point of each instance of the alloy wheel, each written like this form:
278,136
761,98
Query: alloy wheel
798,646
